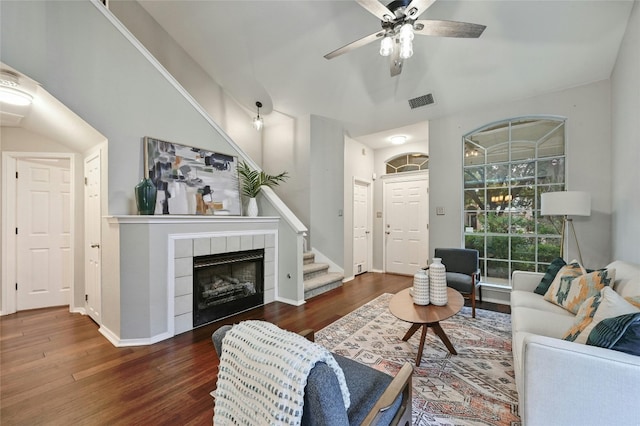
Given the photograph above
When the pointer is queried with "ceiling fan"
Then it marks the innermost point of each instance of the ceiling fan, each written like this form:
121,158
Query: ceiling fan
399,20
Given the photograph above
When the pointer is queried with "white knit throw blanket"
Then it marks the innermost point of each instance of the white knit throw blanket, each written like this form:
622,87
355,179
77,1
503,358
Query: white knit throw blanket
262,375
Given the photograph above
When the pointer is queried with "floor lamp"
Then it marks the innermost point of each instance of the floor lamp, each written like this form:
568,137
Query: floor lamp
566,203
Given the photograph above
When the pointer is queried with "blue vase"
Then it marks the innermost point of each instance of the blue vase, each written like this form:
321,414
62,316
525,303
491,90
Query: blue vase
146,196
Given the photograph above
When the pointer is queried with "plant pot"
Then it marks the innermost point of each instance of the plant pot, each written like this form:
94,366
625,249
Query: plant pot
252,208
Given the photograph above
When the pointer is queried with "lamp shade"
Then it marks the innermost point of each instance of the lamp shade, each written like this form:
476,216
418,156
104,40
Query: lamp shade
570,203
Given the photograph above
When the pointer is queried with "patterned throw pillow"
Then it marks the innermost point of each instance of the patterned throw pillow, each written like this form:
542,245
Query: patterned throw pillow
611,305
621,333
562,281
583,317
634,300
552,270
570,292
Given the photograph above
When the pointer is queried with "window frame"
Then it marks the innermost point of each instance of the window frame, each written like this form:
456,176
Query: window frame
536,182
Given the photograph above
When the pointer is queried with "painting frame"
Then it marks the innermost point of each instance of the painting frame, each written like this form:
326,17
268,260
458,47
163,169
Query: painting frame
191,180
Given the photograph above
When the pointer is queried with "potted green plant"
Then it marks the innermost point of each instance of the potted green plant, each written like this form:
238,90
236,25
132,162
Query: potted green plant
252,182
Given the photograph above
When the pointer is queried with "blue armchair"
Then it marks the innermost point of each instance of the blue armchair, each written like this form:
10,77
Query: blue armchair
376,398
463,273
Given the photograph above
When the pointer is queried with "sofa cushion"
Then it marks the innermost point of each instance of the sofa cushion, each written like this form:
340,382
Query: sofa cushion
459,282
571,293
527,299
611,305
534,321
627,281
552,270
621,333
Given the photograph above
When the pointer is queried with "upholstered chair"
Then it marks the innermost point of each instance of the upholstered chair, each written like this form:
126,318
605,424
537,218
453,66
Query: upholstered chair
376,397
463,273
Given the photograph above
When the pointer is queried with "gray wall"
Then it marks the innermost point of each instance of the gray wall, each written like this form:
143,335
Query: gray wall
625,137
588,149
326,187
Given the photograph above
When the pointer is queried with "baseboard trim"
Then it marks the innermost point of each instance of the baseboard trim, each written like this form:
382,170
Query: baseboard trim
121,343
80,311
346,280
290,301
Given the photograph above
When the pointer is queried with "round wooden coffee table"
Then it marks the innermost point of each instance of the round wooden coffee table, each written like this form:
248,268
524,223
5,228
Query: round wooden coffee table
403,308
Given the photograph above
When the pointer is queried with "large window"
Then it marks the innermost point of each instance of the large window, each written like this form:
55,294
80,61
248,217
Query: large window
507,166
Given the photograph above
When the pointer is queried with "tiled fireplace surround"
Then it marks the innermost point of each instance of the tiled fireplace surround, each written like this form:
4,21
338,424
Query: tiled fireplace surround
185,249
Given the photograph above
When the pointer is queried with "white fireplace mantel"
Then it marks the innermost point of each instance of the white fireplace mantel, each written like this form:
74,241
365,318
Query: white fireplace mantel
140,305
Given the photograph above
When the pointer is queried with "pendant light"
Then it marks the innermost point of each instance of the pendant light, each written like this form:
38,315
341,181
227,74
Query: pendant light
258,122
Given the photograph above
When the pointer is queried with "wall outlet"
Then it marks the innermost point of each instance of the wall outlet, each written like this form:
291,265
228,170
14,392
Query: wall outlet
440,211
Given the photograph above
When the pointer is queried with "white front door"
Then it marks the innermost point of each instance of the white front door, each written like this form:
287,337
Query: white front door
92,237
44,256
406,223
361,227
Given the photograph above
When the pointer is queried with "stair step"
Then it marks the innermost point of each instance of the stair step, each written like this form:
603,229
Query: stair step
308,257
322,283
311,270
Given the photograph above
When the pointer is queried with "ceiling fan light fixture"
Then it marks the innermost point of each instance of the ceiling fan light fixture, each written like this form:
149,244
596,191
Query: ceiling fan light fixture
258,122
386,46
405,37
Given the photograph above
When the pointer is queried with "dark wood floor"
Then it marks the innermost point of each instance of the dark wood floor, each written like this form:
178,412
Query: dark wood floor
56,368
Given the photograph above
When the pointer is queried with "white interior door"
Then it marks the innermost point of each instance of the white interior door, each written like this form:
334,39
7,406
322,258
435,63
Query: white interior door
361,227
93,285
44,256
406,228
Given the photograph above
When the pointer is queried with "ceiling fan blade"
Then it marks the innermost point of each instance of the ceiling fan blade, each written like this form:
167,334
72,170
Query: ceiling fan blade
417,7
448,28
378,9
354,45
395,62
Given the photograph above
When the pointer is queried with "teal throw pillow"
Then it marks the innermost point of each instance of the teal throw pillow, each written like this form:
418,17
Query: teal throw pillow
552,271
621,333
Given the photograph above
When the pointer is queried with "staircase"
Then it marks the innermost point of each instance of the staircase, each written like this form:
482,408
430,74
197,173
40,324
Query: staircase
317,278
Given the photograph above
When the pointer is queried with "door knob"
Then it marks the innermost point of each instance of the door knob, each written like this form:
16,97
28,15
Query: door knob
95,245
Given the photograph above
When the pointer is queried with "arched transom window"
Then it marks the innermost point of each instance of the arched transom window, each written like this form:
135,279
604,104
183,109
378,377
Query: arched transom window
408,162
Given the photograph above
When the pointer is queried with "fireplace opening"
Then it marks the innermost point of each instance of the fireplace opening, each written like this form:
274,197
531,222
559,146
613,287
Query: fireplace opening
226,284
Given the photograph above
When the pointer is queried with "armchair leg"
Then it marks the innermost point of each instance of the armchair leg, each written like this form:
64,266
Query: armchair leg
473,301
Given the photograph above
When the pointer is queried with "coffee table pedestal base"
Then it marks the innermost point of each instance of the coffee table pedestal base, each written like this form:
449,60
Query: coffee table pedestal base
437,329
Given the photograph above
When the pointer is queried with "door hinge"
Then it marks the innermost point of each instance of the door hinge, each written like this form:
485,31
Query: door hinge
16,230
16,286
86,297
86,181
16,175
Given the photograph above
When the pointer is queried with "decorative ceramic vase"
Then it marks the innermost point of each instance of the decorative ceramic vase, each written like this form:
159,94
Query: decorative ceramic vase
421,287
146,197
252,208
437,283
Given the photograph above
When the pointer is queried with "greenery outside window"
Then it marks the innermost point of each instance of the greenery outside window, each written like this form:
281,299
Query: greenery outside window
507,166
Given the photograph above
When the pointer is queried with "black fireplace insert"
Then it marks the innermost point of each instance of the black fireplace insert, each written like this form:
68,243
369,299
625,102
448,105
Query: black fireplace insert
226,284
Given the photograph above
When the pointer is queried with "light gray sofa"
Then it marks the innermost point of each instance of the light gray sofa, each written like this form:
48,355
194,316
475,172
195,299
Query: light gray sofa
566,383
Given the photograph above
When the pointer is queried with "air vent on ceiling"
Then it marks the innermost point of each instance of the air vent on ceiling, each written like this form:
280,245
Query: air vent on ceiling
421,101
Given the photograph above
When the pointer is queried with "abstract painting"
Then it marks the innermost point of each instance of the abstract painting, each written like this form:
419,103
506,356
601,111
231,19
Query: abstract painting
192,181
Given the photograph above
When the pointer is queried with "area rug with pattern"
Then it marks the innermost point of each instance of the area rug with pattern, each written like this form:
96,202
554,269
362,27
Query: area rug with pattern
475,387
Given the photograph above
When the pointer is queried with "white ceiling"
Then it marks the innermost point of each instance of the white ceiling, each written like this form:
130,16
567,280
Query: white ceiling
277,48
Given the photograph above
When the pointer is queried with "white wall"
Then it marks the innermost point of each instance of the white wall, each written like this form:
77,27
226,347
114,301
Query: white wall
625,136
588,149
358,164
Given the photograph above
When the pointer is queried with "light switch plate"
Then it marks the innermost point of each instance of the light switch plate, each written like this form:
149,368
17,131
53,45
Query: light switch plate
440,211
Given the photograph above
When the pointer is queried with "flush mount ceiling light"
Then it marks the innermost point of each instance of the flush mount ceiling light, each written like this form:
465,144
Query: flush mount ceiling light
258,123
399,22
398,140
10,92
